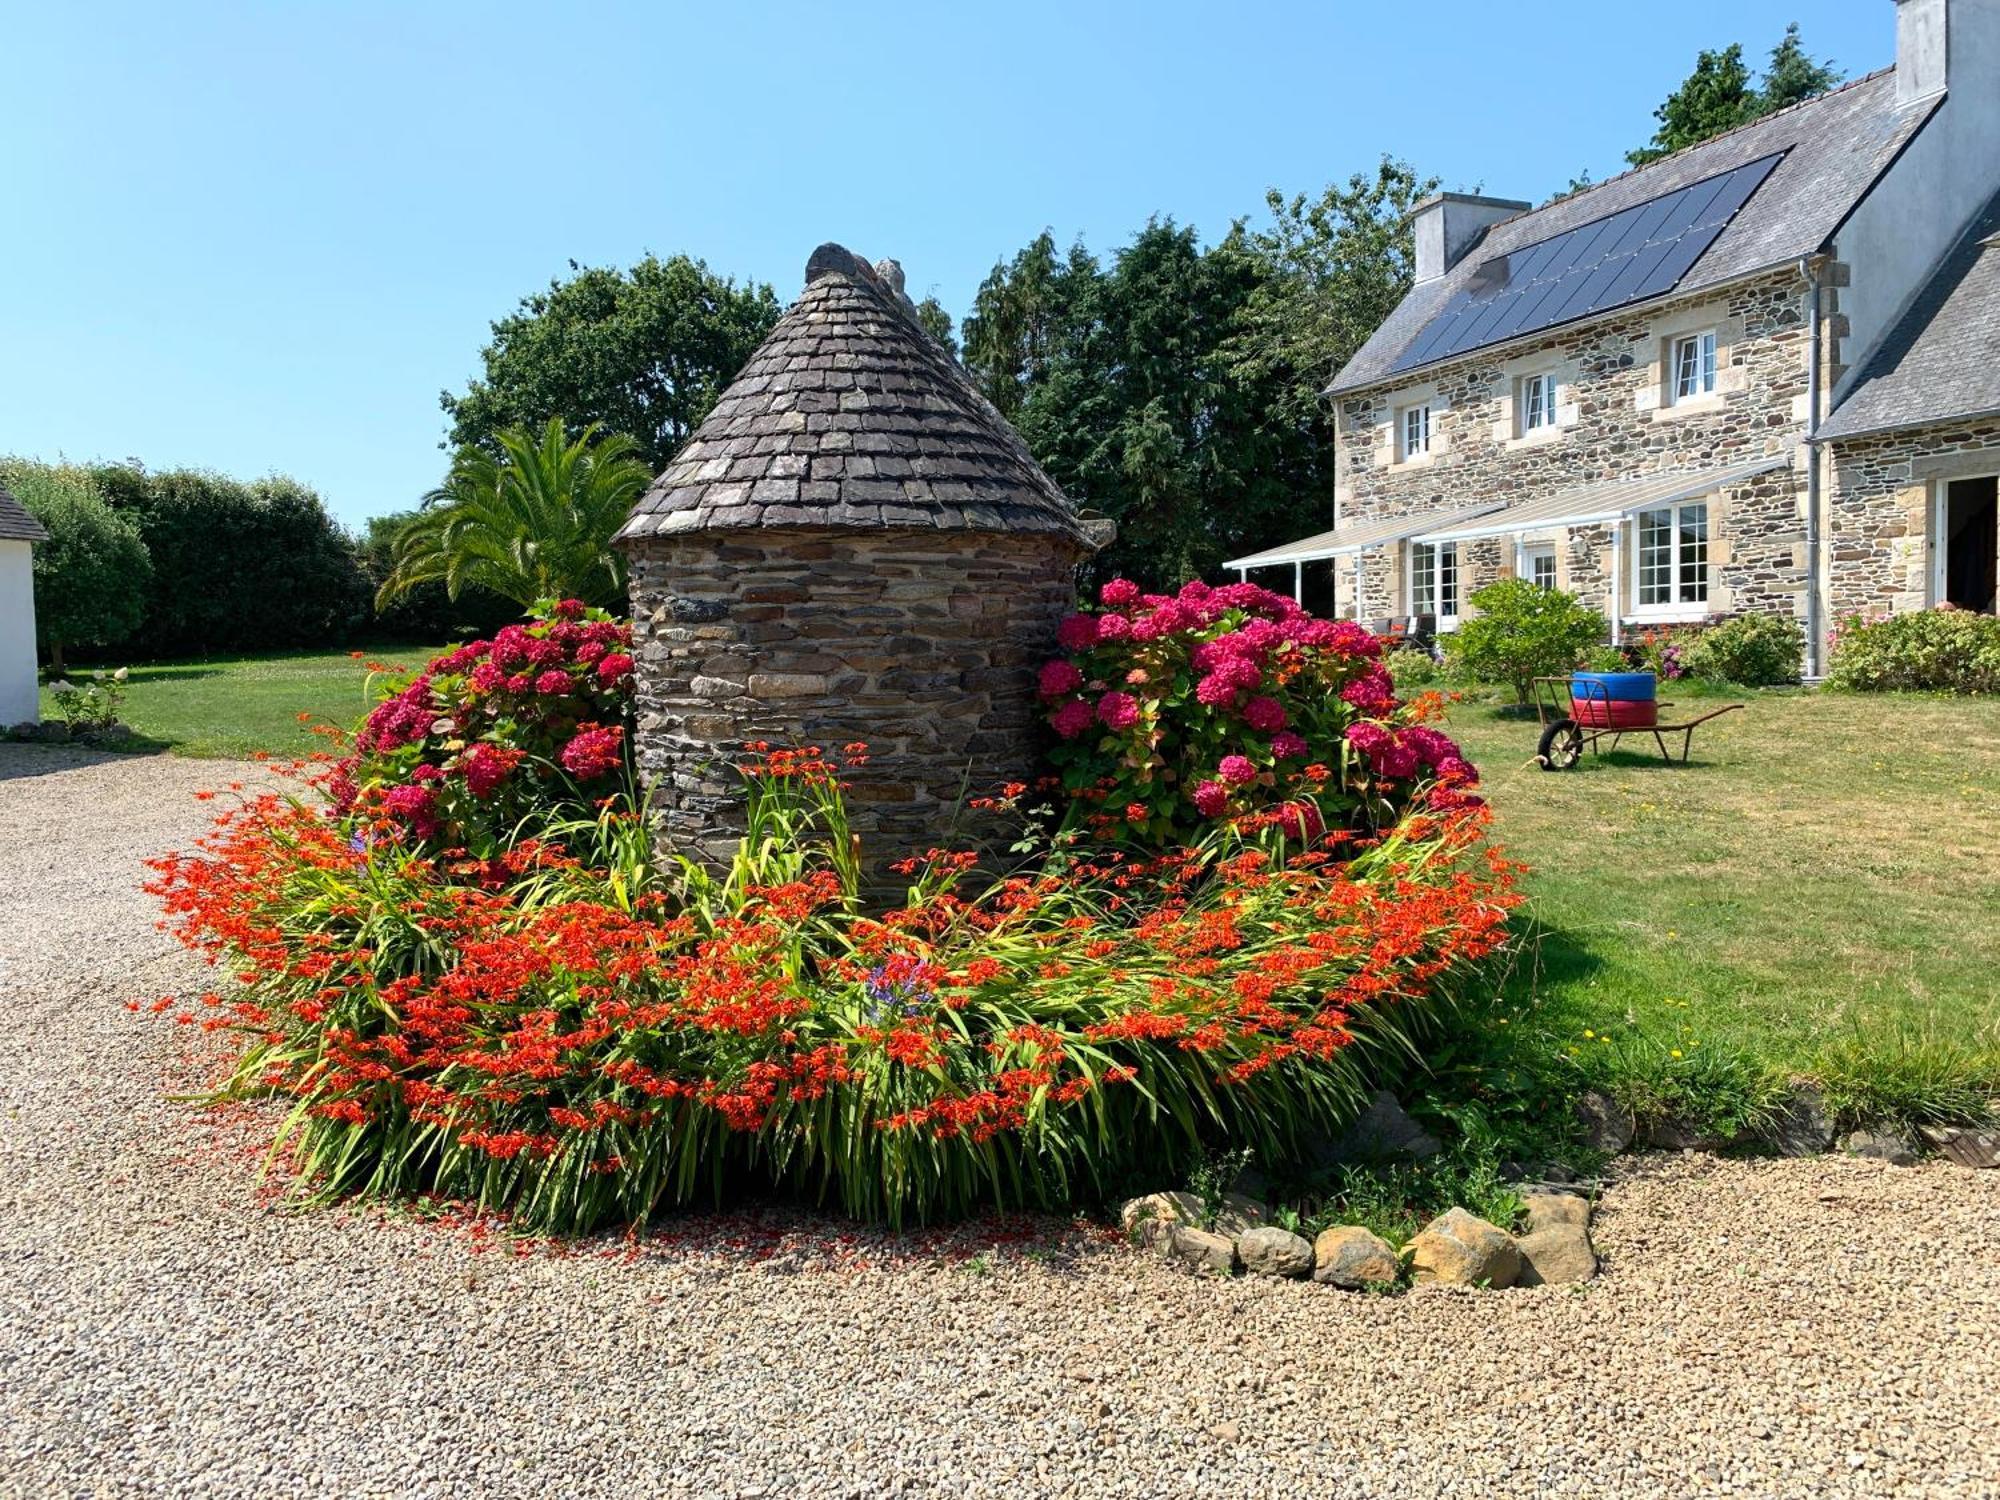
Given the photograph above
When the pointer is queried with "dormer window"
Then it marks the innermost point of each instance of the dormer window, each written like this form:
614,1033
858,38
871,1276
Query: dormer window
1416,431
1538,402
1693,367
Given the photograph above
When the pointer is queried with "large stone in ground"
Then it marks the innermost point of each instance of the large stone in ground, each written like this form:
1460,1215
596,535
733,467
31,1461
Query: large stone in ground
1881,1144
1382,1132
1556,1256
1607,1125
1967,1145
1271,1251
1460,1249
1350,1256
1201,1248
1148,1219
1239,1214
1801,1126
1553,1210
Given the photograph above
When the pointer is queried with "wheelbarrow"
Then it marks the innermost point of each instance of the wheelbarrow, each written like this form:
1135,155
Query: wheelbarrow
1582,711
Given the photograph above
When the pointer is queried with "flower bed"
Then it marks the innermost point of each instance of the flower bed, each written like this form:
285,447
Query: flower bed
560,1023
1176,712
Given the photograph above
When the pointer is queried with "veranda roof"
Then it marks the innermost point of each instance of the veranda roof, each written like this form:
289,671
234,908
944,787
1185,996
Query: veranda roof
1343,541
1612,500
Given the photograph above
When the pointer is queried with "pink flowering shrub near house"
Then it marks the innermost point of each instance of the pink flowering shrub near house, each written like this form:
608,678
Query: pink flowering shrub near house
531,721
1172,711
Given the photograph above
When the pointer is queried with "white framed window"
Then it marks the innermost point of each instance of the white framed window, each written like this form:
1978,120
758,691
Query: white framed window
1414,429
1538,402
1670,561
1691,372
1434,580
1538,564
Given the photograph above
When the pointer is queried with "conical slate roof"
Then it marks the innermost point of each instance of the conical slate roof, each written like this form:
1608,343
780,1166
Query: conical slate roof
850,415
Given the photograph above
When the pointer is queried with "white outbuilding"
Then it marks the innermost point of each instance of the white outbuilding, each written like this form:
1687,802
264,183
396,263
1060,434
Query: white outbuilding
19,531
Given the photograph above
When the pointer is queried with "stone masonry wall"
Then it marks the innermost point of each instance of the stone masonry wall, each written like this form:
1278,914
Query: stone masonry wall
1880,515
1613,422
924,644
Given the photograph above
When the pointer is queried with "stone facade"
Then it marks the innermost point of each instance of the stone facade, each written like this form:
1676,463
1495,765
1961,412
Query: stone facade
1878,525
1614,421
922,644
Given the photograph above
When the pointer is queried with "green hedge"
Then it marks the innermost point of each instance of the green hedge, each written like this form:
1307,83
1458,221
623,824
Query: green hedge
1929,651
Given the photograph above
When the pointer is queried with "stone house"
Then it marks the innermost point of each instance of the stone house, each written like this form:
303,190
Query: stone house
1759,374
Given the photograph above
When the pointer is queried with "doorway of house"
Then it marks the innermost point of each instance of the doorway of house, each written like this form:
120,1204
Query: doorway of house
1969,565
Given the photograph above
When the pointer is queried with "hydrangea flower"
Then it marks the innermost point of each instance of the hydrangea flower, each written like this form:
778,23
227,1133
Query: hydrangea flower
1118,710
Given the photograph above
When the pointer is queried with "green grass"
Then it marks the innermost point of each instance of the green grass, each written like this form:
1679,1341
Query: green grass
230,706
1819,890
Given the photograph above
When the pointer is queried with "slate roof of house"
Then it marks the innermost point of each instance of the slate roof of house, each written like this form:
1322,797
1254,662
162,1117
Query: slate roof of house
1941,360
850,415
1835,146
16,525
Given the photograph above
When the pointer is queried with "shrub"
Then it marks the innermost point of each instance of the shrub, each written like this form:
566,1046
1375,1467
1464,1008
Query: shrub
1933,650
237,566
1523,631
1172,712
1659,649
528,725
577,1033
1413,669
1604,659
1754,650
91,572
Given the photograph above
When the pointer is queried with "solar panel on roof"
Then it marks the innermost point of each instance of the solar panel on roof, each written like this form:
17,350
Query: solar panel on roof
1636,253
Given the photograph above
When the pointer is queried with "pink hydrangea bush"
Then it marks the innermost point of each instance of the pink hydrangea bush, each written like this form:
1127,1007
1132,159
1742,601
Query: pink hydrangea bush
528,723
1172,711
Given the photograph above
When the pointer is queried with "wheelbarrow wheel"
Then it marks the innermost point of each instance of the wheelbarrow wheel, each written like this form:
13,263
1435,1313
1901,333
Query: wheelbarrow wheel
1561,746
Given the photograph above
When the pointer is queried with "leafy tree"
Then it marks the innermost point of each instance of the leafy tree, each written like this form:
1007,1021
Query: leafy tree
237,566
533,522
425,611
644,352
1523,631
1718,95
936,322
1792,77
1333,268
91,572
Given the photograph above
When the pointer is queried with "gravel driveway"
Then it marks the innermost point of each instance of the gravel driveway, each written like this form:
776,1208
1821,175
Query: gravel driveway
1780,1329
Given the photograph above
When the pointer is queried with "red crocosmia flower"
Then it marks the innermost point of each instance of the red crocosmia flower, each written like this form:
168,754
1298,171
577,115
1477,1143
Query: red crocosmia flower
1137,812
594,752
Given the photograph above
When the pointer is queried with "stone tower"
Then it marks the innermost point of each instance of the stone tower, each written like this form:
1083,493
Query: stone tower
854,546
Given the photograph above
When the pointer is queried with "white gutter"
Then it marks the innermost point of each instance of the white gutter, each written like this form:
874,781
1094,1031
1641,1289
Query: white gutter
1815,628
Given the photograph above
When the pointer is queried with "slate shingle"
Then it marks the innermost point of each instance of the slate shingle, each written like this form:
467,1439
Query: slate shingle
1941,362
850,414
16,525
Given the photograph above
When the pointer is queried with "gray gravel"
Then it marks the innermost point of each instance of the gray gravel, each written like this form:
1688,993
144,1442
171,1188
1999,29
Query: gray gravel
1779,1329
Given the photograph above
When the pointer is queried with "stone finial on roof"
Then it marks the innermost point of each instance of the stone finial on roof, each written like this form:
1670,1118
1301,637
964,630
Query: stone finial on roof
850,415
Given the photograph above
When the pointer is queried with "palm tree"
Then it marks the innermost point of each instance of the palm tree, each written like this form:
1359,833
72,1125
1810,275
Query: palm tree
534,521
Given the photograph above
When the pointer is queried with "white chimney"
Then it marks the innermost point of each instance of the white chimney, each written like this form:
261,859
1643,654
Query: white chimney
1449,224
1923,52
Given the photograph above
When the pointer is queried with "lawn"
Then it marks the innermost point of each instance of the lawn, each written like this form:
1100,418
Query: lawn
227,706
1826,871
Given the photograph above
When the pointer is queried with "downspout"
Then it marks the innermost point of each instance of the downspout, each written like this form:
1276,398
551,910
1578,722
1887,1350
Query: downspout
1809,268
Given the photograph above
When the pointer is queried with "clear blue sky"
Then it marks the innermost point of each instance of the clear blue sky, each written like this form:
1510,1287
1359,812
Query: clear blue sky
262,238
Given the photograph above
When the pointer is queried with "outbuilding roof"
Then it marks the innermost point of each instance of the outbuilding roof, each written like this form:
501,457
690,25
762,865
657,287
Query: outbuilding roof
16,525
850,415
1941,360
1833,149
